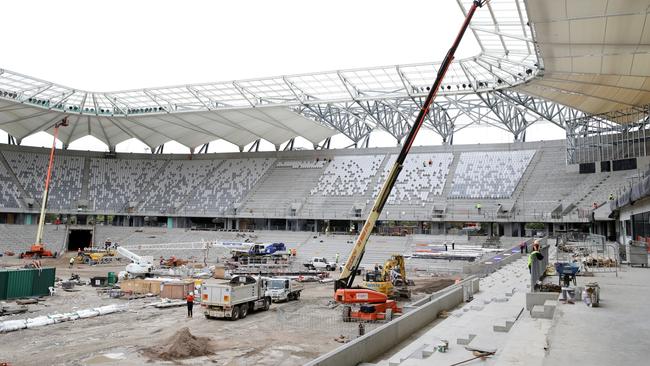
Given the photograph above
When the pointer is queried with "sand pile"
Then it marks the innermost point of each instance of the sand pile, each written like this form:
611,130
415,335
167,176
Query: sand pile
181,345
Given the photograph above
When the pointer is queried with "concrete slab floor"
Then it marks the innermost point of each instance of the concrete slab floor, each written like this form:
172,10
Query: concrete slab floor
616,333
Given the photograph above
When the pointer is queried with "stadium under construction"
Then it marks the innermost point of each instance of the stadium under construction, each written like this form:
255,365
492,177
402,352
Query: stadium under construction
521,253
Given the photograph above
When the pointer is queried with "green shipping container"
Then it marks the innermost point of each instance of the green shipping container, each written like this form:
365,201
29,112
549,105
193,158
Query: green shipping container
19,283
42,281
3,284
26,282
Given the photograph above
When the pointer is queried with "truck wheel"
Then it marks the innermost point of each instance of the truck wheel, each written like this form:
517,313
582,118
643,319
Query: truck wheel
243,311
235,313
297,296
267,303
207,316
346,313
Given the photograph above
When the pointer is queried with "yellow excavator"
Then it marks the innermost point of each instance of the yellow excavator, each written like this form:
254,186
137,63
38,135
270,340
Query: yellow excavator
390,279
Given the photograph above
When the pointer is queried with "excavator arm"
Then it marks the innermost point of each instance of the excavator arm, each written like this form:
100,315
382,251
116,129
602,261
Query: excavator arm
351,266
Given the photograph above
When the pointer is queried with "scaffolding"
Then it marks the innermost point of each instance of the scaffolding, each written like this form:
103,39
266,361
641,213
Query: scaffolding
610,136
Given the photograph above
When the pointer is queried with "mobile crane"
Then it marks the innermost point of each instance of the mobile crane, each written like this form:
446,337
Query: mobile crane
140,266
369,304
38,250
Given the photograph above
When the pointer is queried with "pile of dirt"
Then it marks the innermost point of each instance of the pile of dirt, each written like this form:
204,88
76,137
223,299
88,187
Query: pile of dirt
181,345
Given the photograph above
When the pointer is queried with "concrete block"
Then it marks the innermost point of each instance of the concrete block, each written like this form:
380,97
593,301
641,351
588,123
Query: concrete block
537,311
476,307
418,354
487,301
465,341
503,328
538,298
549,308
428,351
501,299
542,312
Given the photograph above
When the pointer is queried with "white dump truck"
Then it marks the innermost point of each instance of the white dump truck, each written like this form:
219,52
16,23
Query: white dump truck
283,289
235,299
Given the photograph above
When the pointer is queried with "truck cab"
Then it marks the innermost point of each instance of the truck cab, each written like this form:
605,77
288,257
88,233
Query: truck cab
283,289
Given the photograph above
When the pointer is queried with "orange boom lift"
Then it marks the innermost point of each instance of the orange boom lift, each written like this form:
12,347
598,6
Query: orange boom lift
365,304
38,250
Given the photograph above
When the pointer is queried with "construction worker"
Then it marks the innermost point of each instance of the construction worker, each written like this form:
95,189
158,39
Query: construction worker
71,262
190,304
337,258
534,254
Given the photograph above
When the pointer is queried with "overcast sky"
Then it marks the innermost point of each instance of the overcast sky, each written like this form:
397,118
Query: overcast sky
117,45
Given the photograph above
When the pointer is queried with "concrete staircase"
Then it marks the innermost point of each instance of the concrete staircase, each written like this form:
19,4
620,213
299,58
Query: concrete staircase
270,193
523,183
545,311
85,180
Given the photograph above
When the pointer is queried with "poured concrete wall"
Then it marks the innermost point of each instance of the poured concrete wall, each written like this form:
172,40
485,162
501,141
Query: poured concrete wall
375,343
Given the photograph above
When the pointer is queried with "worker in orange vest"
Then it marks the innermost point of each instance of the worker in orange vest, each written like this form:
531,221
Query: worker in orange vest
190,304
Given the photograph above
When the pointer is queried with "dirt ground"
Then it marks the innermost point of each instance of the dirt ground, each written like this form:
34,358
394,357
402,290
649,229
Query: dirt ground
288,334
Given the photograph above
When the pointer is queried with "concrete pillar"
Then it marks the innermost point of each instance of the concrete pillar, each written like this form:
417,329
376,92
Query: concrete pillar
268,224
170,222
237,224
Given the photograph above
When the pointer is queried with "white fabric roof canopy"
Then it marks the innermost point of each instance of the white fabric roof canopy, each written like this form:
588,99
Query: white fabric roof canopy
596,53
238,126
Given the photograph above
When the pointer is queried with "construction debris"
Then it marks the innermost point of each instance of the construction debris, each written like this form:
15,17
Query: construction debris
168,303
181,345
11,310
342,339
27,301
39,321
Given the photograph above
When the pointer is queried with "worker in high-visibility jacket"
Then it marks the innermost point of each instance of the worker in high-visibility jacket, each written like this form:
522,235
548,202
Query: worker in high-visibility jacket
190,304
535,254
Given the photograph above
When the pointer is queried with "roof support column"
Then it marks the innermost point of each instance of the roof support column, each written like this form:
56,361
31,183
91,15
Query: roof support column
255,147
